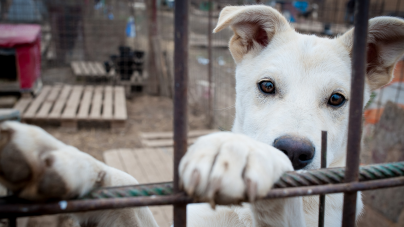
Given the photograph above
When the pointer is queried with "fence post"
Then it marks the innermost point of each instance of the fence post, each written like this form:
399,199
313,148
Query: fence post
210,66
355,109
152,69
180,99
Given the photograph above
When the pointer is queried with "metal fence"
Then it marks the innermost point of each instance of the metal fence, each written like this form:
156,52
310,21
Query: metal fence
203,71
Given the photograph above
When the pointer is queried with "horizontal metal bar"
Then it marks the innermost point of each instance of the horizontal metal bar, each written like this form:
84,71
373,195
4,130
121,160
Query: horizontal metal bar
31,209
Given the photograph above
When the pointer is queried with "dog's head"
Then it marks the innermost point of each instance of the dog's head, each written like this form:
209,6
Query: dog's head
290,86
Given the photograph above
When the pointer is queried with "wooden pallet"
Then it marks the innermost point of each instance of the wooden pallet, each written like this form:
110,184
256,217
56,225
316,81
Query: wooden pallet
70,104
90,69
146,165
165,139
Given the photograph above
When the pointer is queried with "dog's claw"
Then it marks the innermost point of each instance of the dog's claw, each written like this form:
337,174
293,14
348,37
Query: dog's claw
195,177
251,190
213,187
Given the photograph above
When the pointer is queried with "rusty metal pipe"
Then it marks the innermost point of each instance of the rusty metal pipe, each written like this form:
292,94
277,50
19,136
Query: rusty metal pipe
355,109
180,99
20,209
321,211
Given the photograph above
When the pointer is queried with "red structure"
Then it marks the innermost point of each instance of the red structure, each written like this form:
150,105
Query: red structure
20,57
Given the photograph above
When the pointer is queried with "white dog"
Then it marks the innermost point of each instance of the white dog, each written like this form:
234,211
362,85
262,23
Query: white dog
289,87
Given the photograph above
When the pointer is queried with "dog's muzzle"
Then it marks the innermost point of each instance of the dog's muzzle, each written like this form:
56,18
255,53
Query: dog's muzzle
299,150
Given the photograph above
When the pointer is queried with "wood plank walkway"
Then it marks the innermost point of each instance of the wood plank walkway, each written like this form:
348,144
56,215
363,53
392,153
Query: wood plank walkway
165,139
69,104
90,69
147,165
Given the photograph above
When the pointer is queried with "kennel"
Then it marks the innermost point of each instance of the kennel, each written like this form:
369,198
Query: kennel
20,57
324,181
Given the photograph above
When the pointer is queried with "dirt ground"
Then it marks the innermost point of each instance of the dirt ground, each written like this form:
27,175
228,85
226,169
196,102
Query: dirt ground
146,114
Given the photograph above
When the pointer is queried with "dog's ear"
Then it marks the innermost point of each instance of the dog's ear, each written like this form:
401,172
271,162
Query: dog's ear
253,27
385,46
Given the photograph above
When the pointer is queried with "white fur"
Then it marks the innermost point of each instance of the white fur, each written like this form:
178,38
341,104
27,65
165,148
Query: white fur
224,167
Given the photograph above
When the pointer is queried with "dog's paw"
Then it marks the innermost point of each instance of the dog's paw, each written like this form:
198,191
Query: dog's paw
36,166
226,168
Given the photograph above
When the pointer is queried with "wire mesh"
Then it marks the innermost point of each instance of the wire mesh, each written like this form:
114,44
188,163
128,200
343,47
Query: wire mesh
115,34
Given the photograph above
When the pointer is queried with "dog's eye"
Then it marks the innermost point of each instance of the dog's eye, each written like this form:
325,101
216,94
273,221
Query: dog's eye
336,99
267,87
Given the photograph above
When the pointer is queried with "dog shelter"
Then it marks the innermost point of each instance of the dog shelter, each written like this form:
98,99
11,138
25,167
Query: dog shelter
315,182
20,54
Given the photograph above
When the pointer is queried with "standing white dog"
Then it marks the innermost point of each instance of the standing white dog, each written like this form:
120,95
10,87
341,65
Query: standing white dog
289,87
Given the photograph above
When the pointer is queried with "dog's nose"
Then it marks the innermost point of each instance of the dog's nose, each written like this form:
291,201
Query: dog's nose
299,150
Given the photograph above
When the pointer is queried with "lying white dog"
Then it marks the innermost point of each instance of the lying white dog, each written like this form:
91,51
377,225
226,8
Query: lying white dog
289,87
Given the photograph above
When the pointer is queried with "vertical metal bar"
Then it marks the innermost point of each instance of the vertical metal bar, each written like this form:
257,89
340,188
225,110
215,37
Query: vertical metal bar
401,83
12,222
355,108
321,211
180,99
210,66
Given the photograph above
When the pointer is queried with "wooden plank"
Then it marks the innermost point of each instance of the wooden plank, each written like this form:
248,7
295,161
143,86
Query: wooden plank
107,104
84,68
33,108
159,160
165,157
22,105
113,159
169,214
164,143
56,111
48,102
120,104
96,103
133,165
85,103
76,69
155,173
100,69
72,103
169,135
92,69
159,216
147,164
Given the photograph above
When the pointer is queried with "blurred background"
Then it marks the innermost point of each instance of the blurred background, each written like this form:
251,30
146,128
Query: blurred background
60,55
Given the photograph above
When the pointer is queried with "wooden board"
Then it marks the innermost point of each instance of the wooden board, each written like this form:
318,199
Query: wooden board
96,105
22,104
85,103
169,135
146,165
90,69
107,103
163,143
48,102
120,104
56,112
70,104
165,139
36,103
112,158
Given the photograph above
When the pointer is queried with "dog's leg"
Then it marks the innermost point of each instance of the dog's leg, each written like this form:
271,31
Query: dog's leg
225,167
36,166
